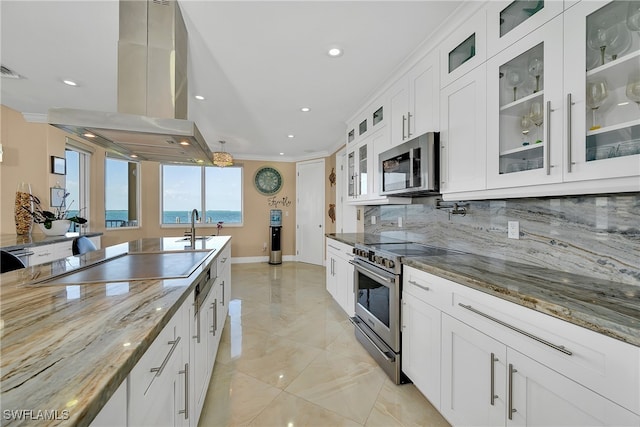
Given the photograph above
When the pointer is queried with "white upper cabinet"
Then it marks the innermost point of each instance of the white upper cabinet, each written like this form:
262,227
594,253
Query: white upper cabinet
463,134
464,49
524,110
509,21
603,103
414,101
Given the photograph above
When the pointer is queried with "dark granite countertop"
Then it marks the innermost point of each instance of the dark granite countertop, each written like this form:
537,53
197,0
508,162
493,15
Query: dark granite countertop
361,238
9,242
610,308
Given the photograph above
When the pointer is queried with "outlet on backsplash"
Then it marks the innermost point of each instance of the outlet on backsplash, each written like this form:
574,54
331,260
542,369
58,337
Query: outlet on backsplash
373,220
513,230
400,221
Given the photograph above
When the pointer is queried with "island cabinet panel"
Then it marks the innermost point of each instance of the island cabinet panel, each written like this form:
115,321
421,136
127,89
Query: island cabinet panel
158,383
114,413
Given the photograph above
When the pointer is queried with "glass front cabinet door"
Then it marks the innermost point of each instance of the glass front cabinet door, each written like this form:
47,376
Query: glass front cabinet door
524,93
602,84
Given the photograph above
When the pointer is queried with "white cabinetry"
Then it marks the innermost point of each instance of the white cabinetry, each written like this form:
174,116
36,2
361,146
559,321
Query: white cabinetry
47,253
339,275
114,412
413,101
158,383
463,134
464,49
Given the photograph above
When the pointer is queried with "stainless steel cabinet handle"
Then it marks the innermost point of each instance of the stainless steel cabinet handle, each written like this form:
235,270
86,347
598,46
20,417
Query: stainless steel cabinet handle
569,104
560,348
408,124
173,345
197,335
214,323
420,286
224,260
331,246
547,143
511,410
493,379
185,411
404,120
222,300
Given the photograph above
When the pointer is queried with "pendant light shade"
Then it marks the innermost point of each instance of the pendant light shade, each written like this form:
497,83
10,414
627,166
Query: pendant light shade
222,158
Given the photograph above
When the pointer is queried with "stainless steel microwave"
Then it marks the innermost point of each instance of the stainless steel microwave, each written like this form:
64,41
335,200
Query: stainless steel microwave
411,168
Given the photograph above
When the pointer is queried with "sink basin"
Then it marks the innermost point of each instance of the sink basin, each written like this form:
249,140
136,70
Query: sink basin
187,239
133,266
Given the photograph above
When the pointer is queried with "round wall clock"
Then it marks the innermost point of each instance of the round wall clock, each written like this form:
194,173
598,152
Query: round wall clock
268,180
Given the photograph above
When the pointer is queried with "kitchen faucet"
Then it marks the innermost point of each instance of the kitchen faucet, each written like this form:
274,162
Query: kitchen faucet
194,218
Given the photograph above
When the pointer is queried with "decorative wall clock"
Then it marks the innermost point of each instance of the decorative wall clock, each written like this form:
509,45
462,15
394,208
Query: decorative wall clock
268,181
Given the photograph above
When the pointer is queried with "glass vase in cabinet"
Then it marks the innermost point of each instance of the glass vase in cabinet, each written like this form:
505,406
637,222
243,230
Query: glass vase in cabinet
525,124
602,80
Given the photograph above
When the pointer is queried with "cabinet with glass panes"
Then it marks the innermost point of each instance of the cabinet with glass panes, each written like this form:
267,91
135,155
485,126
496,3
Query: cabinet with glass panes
602,80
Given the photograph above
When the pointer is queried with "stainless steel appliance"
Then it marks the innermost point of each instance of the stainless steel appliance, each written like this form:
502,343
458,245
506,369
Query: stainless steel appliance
23,254
378,287
411,168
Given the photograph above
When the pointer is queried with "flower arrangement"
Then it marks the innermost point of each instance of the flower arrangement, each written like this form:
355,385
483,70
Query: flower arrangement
46,218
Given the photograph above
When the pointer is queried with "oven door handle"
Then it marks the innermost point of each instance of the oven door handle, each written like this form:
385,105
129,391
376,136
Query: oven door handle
371,274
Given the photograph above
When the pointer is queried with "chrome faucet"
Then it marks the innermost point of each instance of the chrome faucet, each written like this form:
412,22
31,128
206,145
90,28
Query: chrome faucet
194,218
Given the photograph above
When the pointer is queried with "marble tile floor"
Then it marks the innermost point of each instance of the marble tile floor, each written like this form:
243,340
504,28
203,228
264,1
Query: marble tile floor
288,357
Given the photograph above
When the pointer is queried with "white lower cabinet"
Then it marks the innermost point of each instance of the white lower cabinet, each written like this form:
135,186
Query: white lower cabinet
114,412
339,275
421,346
485,382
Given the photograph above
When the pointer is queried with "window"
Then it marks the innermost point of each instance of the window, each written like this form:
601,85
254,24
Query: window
215,191
77,183
121,193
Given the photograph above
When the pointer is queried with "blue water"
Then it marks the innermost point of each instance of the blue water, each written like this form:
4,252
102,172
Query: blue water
178,217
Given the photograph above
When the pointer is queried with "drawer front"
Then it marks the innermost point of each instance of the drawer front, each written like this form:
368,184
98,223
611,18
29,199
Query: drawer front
605,365
341,249
224,260
47,253
427,287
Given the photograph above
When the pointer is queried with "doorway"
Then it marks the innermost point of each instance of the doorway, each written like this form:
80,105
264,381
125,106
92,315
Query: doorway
310,188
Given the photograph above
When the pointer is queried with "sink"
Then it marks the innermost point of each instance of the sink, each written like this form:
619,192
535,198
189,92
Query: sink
133,266
187,239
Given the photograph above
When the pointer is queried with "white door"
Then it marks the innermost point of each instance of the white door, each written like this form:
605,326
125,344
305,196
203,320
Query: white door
310,211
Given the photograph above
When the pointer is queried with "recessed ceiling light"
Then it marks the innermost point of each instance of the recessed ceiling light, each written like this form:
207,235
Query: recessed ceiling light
622,104
70,82
282,154
184,142
199,161
335,52
135,156
89,135
289,136
305,109
199,97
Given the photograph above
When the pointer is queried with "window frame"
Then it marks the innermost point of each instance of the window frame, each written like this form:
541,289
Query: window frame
203,195
84,181
138,188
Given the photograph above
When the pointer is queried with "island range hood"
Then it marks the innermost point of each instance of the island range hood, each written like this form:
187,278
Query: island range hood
151,121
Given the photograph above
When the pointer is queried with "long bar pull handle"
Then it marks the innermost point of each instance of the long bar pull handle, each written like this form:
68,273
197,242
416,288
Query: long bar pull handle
511,409
547,142
560,348
159,369
420,286
185,411
569,104
222,300
197,335
404,120
493,379
214,323
331,246
408,124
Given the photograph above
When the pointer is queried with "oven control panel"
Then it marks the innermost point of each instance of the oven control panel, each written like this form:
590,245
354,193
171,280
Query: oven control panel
374,258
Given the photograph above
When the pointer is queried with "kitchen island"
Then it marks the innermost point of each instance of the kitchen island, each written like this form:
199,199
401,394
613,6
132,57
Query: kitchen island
67,348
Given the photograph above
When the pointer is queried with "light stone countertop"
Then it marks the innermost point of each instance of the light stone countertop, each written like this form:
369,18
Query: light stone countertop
14,241
70,347
610,308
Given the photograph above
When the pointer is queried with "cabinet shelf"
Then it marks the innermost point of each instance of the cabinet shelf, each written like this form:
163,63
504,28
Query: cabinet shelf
521,106
616,72
520,150
613,127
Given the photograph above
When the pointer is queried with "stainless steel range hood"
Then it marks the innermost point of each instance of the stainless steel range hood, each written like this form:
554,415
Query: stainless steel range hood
152,91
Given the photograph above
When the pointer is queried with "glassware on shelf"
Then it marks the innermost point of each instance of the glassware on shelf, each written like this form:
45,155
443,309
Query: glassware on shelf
515,78
597,92
536,114
525,127
605,35
633,89
535,68
633,16
621,44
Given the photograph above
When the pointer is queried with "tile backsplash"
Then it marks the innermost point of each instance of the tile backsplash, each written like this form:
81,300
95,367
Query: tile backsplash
591,235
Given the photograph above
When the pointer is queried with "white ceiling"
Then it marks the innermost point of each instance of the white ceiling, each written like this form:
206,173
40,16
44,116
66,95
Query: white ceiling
255,62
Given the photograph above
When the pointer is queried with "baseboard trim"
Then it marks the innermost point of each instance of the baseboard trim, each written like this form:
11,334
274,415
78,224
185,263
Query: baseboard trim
254,259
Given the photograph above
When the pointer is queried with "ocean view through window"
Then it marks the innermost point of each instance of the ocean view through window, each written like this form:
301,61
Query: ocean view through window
120,193
215,192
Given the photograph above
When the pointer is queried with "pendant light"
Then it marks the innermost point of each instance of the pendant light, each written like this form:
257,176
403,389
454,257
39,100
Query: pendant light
222,158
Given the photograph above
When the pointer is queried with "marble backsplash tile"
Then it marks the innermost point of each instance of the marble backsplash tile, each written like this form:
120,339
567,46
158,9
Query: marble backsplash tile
591,235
